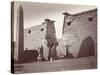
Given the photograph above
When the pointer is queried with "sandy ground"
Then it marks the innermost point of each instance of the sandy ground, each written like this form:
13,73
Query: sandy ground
57,65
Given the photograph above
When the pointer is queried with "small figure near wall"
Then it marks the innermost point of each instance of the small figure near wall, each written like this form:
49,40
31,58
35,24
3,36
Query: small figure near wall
41,52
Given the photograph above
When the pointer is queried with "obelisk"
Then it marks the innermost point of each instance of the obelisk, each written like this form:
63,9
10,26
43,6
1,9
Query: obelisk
20,34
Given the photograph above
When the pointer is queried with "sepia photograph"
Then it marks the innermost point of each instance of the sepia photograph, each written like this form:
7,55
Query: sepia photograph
49,37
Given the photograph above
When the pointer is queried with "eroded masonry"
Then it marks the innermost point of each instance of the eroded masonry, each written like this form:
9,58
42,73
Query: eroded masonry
79,38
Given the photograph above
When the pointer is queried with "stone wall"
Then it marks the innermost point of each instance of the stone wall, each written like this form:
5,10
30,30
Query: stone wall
36,36
76,28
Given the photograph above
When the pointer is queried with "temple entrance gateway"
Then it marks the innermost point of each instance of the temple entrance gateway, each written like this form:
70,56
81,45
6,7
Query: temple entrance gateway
87,48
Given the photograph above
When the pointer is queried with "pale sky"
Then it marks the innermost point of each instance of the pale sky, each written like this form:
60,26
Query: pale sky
35,13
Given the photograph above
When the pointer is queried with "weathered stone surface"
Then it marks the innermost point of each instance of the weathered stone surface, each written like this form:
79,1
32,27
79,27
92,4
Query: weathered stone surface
40,35
81,26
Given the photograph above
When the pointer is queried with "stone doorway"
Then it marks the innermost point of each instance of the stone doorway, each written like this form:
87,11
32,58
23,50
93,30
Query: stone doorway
87,48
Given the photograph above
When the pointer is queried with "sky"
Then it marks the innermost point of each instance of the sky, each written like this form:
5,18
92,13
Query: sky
35,13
